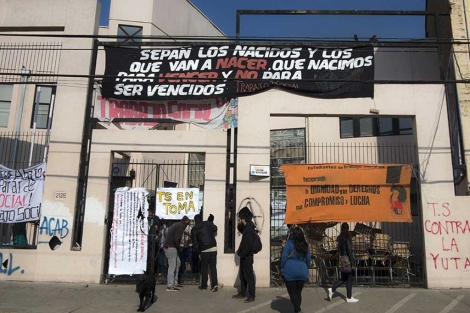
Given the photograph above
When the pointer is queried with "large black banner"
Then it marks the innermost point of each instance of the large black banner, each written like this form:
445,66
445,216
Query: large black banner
199,72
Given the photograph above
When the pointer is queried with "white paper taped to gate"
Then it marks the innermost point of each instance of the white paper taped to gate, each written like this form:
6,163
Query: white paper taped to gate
174,203
128,249
21,193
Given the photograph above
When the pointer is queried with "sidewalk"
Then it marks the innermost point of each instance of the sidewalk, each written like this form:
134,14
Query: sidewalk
25,297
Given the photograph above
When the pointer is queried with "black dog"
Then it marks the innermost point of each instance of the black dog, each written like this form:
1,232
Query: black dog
146,290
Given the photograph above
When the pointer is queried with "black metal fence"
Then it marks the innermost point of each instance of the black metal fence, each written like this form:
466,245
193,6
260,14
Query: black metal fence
17,152
386,253
153,174
41,59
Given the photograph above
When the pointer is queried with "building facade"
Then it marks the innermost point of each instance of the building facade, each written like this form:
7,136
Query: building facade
412,112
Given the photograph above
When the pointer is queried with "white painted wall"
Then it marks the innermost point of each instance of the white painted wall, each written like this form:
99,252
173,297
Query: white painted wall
77,17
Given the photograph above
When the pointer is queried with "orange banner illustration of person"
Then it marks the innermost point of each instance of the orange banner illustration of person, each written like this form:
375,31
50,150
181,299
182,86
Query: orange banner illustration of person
347,192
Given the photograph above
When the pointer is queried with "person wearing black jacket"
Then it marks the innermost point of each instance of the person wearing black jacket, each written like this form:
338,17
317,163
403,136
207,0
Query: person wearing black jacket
245,252
171,246
205,245
344,247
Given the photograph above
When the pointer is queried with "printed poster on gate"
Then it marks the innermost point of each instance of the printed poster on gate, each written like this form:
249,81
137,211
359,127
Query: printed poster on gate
129,232
174,203
338,192
230,71
21,193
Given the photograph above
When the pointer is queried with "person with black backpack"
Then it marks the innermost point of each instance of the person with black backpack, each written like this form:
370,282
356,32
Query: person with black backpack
246,253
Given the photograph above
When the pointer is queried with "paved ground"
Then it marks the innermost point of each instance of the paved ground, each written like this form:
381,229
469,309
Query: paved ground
16,297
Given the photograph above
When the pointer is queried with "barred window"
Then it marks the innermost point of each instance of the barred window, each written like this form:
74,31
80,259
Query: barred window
5,104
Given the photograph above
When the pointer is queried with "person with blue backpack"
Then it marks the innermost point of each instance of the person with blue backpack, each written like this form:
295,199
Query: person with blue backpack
295,261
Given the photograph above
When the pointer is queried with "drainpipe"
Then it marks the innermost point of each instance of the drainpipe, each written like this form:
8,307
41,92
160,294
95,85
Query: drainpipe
466,22
48,131
33,137
25,73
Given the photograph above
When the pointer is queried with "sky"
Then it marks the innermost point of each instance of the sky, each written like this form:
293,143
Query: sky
223,12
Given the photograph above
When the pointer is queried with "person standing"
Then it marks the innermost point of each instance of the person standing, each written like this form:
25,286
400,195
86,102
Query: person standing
184,253
205,246
295,261
344,248
171,246
245,252
162,260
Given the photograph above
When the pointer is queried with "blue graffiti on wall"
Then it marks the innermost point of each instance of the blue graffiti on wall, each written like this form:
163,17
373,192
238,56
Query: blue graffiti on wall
7,267
54,227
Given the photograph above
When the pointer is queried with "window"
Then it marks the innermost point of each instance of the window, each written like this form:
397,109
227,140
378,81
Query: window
405,126
44,106
5,103
386,126
367,127
104,13
375,126
347,127
132,33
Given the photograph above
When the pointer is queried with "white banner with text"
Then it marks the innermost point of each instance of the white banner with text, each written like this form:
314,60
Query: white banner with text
21,193
128,249
174,203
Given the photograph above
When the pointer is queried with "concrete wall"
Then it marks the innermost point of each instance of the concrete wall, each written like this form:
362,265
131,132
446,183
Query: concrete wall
434,158
106,141
457,28
81,17
76,17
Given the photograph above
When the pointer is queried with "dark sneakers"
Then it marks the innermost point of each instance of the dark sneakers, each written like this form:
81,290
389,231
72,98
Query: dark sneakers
238,296
249,299
201,288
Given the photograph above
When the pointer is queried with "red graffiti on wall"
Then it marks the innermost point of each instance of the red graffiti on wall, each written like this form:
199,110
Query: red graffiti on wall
447,228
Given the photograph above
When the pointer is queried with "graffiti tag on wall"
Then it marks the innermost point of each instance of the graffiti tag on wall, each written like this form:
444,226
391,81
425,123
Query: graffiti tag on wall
51,226
10,267
447,228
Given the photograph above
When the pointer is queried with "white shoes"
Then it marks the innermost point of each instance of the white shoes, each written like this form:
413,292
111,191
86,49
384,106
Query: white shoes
351,300
330,293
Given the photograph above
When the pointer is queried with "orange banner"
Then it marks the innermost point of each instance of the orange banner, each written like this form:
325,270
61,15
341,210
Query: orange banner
338,192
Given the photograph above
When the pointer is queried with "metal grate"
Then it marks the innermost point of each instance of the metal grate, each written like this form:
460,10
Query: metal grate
152,174
41,59
15,152
389,269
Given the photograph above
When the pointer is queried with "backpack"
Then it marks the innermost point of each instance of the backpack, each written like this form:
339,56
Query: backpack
257,245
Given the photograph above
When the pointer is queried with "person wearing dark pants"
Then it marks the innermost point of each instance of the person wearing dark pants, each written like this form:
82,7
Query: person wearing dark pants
344,248
205,245
247,278
294,289
295,261
209,262
245,252
345,278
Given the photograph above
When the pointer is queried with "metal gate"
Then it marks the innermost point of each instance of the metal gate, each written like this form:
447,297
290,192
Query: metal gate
386,253
151,174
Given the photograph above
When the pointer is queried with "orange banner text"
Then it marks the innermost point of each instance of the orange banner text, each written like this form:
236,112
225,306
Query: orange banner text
338,192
